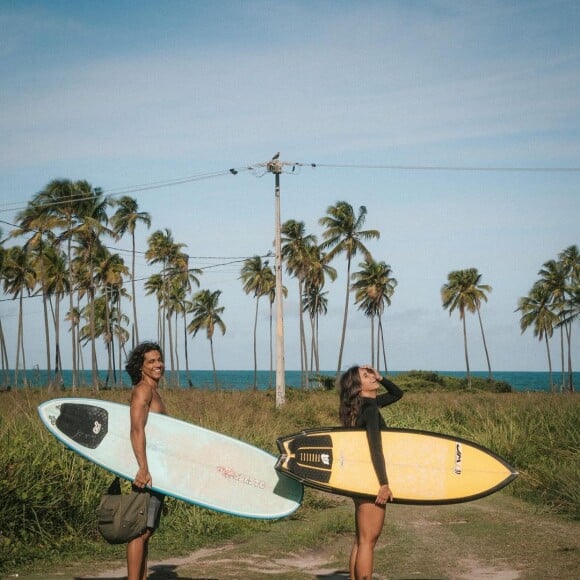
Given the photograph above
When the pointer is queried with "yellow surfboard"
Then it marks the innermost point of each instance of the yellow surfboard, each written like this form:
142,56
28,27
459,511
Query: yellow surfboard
423,467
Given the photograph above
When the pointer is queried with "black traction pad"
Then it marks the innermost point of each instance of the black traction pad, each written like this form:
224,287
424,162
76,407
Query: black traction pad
313,457
87,425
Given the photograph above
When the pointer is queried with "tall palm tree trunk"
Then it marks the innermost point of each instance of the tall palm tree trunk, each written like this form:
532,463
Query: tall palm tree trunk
316,343
466,353
256,346
484,344
303,349
373,343
315,334
186,350
215,381
18,341
568,326
4,358
171,353
110,342
94,364
58,379
74,378
552,387
343,333
313,343
46,333
383,349
177,364
135,325
562,358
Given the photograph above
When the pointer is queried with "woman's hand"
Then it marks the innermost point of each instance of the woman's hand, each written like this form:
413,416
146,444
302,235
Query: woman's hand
385,494
372,372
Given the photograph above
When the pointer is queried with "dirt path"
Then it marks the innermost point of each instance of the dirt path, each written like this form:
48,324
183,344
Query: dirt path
494,538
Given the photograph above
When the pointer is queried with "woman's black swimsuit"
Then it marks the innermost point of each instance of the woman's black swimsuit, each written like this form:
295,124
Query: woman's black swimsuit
371,419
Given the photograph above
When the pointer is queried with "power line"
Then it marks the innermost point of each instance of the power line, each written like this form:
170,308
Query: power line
233,260
261,169
451,168
135,188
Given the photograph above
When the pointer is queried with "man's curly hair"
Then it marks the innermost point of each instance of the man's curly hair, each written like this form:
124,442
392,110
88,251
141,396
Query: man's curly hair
136,358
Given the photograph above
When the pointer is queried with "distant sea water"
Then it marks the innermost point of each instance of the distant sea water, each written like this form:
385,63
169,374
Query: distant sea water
242,380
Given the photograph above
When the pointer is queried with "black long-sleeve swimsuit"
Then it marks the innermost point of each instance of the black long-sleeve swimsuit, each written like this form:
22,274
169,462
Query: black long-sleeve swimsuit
371,419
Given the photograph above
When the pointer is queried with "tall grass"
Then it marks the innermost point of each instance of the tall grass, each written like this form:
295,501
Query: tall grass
48,494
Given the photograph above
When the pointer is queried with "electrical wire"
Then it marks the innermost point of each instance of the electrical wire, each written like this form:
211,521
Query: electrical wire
450,168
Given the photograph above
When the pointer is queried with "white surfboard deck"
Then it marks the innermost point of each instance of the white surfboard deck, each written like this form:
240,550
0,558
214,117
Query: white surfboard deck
187,462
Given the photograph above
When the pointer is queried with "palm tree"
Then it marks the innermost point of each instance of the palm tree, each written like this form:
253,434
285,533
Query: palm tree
374,286
180,280
19,276
125,220
478,295
35,222
162,249
314,300
58,286
207,316
315,303
344,235
553,277
296,252
155,284
109,272
89,232
536,311
570,260
257,278
560,278
3,351
456,294
69,203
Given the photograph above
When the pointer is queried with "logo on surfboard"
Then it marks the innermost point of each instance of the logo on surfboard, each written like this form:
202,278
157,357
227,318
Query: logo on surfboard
230,473
458,454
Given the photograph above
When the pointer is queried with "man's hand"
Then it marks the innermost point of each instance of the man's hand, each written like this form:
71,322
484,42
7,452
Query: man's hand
143,478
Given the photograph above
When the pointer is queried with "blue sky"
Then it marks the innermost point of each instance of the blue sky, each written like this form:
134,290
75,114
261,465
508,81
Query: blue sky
130,93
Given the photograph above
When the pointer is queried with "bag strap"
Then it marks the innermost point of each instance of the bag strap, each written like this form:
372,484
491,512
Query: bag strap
115,487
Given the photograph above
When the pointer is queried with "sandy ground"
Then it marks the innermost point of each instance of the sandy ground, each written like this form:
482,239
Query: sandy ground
496,538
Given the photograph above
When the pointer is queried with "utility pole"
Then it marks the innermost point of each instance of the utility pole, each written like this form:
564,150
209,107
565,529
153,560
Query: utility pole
275,166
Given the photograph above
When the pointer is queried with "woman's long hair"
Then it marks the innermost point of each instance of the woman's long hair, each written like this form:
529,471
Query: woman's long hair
350,401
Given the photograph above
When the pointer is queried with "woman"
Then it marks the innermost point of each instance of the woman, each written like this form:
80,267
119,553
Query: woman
360,407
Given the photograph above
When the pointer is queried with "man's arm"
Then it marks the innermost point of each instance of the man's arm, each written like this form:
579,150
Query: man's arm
140,402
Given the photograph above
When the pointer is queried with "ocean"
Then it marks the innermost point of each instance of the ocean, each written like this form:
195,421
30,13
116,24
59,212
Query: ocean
244,379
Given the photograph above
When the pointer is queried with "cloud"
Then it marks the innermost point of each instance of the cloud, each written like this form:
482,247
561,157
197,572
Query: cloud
391,79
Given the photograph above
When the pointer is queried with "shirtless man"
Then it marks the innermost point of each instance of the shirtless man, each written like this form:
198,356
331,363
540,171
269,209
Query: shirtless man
145,367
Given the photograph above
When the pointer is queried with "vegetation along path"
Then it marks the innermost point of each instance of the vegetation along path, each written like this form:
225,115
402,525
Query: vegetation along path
498,537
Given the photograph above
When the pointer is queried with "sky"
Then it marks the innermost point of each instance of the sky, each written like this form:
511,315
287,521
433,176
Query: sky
456,124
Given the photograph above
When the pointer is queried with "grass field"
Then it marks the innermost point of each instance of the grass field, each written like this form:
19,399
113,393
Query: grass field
48,495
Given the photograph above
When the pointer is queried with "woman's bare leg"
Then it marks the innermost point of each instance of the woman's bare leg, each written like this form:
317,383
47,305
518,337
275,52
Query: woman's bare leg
370,519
